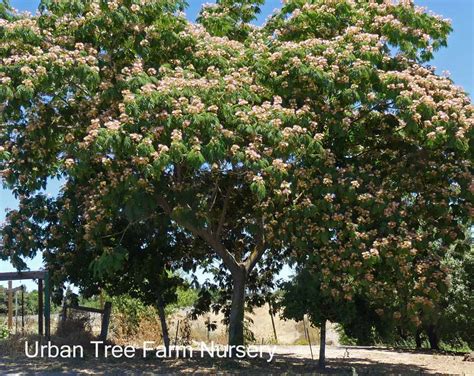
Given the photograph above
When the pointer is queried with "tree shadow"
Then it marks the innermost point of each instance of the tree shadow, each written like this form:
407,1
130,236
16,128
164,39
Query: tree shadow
405,350
281,364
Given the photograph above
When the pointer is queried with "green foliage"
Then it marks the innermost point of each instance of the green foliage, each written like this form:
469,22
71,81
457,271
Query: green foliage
5,10
454,316
92,302
4,332
322,134
344,339
303,295
30,301
186,298
110,262
3,301
450,319
249,336
132,310
460,346
230,17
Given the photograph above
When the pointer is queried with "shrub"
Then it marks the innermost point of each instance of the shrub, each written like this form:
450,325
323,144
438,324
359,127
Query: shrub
4,332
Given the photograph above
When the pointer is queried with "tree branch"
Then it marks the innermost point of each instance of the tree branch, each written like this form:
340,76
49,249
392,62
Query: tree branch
164,205
124,231
204,234
258,250
223,213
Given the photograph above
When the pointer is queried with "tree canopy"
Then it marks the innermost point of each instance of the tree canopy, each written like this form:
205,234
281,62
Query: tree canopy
323,131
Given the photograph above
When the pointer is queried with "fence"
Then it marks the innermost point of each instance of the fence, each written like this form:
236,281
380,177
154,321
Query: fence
44,298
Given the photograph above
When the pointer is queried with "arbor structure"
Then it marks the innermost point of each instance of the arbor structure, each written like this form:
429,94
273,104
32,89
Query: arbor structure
43,297
321,129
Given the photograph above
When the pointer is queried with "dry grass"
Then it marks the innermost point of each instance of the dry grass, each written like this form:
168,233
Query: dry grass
148,329
289,332
15,344
82,328
75,330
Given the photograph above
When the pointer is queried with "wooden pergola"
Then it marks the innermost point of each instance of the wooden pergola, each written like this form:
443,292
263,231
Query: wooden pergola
44,302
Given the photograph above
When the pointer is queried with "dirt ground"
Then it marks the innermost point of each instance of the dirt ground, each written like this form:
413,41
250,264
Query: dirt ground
288,360
292,357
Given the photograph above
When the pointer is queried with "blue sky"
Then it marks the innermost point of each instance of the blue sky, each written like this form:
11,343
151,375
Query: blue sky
458,58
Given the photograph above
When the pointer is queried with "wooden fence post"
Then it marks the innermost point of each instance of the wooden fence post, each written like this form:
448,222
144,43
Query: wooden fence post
64,311
105,321
10,305
22,309
16,312
47,305
40,307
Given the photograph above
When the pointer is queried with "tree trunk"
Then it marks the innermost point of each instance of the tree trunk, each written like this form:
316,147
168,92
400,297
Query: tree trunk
164,326
236,323
418,339
433,337
322,345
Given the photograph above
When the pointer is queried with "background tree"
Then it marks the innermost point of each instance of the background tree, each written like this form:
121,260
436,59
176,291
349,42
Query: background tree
303,296
141,267
447,322
407,315
455,324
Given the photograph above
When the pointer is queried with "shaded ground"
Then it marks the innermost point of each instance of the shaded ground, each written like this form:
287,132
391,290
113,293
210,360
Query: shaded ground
289,359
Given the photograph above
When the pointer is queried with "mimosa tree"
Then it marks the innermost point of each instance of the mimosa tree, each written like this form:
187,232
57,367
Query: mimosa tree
327,109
